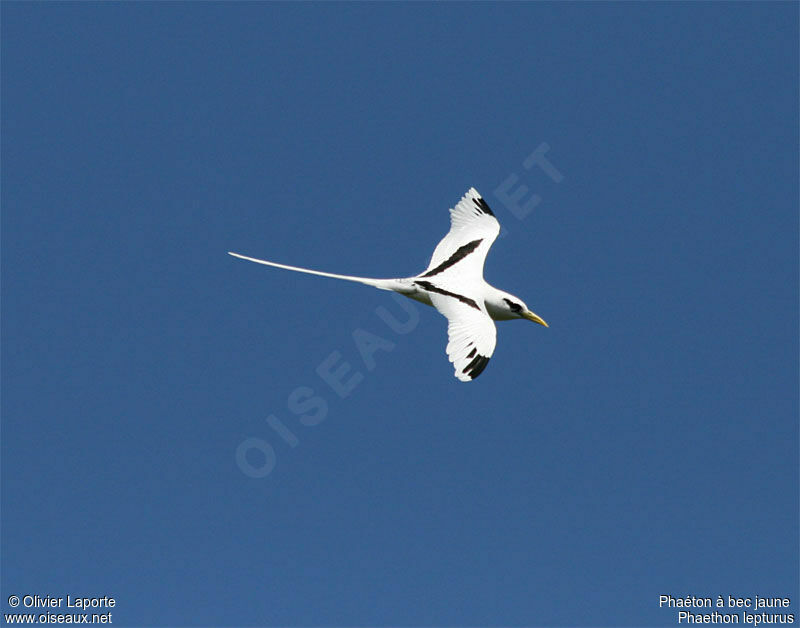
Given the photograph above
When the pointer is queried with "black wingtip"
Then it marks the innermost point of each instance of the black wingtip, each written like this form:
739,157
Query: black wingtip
475,368
482,205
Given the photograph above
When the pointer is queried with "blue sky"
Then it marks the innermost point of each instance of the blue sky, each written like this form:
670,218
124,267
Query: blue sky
645,444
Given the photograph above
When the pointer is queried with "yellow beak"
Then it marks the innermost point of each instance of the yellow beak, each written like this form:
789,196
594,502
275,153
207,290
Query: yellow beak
535,318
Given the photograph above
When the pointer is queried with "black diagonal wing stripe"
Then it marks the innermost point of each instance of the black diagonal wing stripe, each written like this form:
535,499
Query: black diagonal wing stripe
427,285
460,254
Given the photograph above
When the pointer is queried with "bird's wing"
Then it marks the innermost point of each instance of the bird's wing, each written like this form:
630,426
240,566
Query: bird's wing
471,333
462,252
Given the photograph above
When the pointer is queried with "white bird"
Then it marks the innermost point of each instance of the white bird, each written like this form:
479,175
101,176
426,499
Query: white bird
453,283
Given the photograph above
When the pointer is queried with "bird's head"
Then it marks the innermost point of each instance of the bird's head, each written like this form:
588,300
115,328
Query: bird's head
517,309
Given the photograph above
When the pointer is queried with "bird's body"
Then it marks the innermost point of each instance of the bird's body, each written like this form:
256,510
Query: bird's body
453,283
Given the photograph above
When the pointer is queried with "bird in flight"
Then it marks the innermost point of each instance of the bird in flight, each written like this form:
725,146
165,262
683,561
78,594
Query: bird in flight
453,283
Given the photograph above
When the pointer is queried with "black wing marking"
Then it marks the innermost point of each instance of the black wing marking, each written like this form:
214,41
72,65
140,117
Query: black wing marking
427,285
475,368
482,205
460,254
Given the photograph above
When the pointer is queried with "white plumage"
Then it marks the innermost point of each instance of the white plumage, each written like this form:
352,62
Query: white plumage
453,283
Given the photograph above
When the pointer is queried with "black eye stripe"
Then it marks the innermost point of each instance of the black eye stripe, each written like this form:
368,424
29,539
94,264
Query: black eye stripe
515,307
